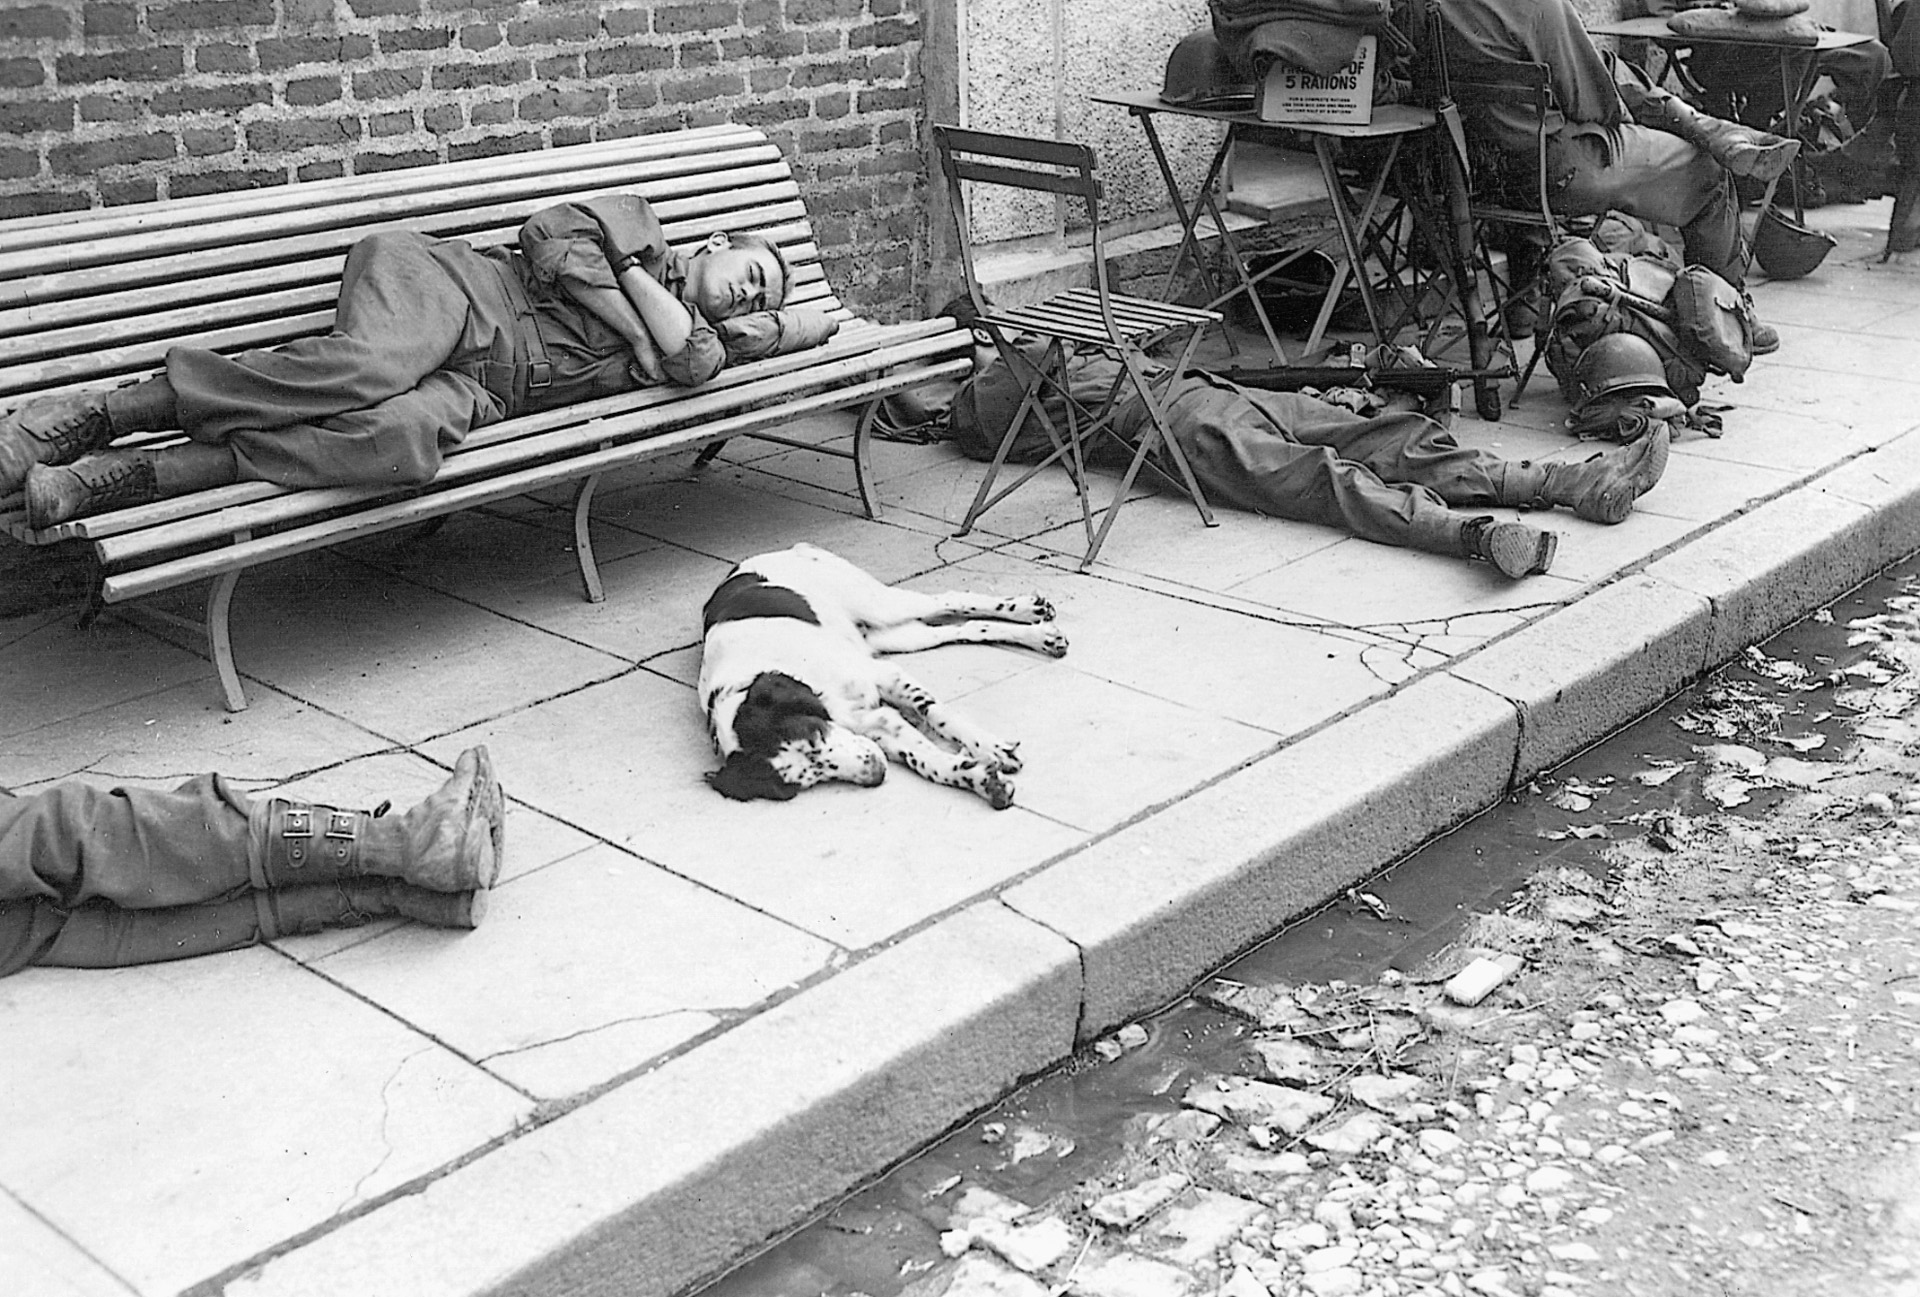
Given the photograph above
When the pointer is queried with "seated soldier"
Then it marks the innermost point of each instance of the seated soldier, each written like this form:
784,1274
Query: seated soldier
97,879
1396,477
1625,147
432,338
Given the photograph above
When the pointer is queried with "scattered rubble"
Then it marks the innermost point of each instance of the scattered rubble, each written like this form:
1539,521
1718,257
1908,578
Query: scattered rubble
1695,1076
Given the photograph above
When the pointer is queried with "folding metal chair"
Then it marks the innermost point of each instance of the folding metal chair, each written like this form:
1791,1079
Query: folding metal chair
1496,195
1118,326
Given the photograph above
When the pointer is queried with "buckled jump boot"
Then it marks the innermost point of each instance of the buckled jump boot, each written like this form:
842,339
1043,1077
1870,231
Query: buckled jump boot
60,429
451,842
1515,548
1600,488
1756,155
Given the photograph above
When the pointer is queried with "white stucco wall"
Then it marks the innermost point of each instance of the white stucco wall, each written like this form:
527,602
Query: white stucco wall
1029,66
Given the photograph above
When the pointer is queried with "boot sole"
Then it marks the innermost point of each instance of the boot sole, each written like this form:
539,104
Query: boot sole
1616,503
1521,551
1767,165
489,802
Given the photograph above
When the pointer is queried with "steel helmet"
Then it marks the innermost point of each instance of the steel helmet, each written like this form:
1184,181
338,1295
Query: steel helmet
1787,249
1199,76
1615,363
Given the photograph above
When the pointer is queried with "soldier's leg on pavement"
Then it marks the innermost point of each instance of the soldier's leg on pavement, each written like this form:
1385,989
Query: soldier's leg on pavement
198,854
107,936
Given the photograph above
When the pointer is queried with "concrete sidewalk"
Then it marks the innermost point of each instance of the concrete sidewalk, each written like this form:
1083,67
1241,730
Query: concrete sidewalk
687,1022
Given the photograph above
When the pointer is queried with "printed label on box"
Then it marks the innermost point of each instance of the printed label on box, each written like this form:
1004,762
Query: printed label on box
1291,94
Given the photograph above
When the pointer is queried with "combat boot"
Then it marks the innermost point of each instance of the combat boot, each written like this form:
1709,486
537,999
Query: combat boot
451,842
1515,548
295,911
1746,152
51,430
1600,488
1764,338
113,479
60,429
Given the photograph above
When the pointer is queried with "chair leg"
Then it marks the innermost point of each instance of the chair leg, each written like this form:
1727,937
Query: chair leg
1160,433
1054,360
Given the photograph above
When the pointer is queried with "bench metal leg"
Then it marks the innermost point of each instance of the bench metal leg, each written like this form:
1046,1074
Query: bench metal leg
708,453
583,540
863,458
220,639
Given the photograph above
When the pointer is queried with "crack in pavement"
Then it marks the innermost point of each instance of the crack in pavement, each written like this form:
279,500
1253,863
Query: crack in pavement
599,1027
386,1116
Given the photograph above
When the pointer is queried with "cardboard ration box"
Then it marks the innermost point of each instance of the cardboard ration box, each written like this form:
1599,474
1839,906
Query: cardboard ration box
1291,94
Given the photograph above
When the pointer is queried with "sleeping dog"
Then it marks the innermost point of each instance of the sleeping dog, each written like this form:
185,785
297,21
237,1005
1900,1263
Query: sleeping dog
795,694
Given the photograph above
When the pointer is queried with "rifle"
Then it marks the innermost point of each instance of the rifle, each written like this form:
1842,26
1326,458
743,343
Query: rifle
1421,382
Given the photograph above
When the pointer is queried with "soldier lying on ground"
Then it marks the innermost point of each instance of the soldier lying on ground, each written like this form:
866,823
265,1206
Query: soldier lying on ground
432,338
98,879
1615,146
1396,477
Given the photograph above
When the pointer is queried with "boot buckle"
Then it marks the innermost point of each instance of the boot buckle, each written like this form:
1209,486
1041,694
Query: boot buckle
296,829
342,829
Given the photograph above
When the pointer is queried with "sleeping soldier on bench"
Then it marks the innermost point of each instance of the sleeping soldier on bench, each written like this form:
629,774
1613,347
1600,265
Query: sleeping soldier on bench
432,338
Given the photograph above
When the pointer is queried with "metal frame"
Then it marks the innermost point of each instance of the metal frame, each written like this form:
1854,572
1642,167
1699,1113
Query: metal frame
1118,326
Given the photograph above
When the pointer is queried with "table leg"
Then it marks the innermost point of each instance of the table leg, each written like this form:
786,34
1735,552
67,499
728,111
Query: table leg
1343,221
1799,71
1363,238
1189,217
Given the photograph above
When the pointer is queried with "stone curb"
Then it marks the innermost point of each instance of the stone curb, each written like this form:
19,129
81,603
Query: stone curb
651,1187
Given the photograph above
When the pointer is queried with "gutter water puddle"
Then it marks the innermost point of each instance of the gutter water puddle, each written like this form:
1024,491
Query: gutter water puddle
1738,742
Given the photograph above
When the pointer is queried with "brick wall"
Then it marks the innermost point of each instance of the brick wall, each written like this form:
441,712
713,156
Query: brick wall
105,102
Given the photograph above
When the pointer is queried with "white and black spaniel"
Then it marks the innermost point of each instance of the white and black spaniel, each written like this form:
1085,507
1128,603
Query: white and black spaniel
794,693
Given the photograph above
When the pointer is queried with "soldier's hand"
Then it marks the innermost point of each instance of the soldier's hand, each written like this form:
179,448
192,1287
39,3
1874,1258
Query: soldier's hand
646,359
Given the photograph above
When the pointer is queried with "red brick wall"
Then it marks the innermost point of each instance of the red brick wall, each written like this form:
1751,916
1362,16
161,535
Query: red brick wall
121,101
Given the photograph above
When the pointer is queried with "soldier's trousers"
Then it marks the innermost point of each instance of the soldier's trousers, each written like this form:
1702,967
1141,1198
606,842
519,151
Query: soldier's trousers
423,350
1657,177
1397,478
91,878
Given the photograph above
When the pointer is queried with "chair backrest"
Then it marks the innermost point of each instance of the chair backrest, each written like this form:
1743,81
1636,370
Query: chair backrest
969,157
1526,87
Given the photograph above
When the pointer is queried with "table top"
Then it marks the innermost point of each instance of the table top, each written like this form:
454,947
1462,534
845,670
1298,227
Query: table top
1656,29
1388,119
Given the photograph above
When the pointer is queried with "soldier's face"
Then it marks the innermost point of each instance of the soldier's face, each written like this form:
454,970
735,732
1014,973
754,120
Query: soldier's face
728,279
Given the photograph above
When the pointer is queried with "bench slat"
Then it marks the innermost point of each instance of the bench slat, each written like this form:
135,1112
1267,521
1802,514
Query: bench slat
33,329
685,218
704,170
857,337
163,576
135,217
108,349
564,432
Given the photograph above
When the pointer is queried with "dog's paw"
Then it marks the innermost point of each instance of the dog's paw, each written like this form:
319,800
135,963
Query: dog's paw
1026,607
1004,757
1054,643
997,789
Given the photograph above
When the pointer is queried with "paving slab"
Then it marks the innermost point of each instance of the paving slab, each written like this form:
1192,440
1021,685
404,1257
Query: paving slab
215,1108
688,1022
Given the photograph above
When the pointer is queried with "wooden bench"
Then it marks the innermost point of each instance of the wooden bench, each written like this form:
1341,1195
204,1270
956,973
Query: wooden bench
97,297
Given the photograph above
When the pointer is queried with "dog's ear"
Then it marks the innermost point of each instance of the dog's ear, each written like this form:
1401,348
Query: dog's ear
747,778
